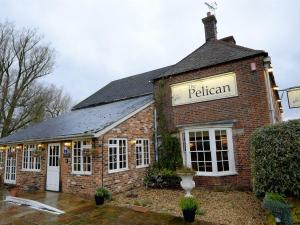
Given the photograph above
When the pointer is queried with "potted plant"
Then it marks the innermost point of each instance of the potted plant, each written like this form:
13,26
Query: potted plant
101,194
13,190
187,183
189,206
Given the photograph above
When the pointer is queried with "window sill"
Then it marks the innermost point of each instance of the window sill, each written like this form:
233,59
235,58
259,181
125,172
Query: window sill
116,171
28,170
140,167
82,173
200,174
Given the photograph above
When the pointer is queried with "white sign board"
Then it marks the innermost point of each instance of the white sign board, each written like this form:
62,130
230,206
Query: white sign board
205,89
294,97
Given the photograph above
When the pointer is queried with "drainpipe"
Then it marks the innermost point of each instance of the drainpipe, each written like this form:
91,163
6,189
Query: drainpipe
102,157
267,66
155,135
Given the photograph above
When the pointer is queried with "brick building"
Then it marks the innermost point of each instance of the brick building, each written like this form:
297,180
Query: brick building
214,99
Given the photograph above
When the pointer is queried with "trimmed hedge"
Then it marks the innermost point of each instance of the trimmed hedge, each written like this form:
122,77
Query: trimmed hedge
275,154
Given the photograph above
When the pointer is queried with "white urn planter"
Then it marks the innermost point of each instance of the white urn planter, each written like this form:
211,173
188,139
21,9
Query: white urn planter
187,182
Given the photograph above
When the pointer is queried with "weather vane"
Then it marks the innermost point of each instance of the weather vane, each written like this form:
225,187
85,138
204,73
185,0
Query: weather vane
211,7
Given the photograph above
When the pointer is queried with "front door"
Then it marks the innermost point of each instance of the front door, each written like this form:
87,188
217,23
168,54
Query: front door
10,167
53,167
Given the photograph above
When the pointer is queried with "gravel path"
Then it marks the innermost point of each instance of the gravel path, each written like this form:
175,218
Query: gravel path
229,207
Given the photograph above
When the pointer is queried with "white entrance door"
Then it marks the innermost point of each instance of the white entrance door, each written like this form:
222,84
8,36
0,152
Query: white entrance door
10,169
53,167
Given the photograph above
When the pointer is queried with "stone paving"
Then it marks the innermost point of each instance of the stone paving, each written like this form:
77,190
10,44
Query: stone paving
79,211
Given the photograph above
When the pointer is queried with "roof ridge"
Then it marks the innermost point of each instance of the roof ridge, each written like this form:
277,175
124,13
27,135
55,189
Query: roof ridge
183,59
238,46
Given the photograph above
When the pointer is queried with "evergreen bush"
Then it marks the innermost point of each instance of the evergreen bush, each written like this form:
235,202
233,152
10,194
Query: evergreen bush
275,154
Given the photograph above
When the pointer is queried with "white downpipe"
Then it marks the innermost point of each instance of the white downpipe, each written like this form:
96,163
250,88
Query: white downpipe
270,96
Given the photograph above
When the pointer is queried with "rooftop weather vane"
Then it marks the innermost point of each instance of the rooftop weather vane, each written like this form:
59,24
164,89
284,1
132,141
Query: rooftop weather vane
211,7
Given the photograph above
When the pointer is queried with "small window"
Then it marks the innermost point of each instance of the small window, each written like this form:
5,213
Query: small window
81,160
117,155
142,152
30,162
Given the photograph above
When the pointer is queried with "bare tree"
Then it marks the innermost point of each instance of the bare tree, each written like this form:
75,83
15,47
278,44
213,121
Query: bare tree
23,60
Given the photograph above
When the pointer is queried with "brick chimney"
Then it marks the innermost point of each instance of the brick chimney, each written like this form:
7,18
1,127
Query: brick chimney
210,27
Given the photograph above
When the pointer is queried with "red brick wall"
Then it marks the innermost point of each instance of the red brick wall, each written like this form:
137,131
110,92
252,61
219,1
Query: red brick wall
138,126
249,109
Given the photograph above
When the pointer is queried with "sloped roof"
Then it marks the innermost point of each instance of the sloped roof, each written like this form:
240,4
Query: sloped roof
210,54
81,122
125,88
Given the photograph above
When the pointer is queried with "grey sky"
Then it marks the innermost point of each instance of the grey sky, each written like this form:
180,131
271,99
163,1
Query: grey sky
98,41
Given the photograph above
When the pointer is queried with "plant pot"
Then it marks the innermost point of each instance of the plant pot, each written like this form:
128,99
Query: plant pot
13,191
187,183
99,200
189,215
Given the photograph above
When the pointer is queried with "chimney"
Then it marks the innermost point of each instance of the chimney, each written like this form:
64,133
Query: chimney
210,27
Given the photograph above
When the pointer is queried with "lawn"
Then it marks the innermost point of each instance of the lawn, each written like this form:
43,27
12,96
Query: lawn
219,207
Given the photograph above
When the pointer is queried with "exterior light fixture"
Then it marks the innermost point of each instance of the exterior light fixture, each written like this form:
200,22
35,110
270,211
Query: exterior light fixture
278,100
281,108
18,147
270,70
132,142
67,144
276,88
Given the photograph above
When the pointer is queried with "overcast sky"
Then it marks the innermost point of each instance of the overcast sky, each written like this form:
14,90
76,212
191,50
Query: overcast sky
99,41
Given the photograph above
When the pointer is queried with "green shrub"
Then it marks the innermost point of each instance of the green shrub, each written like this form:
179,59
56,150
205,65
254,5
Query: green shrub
103,192
189,203
161,178
277,204
275,153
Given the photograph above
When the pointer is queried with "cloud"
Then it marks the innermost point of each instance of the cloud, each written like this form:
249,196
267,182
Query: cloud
98,41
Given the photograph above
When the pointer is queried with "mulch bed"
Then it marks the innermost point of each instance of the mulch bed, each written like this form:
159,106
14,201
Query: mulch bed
220,207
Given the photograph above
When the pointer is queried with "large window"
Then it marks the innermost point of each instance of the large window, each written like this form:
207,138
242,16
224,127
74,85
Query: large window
117,155
142,152
30,161
81,157
209,151
1,159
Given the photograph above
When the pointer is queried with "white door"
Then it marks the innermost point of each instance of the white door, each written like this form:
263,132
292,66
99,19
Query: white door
10,169
53,167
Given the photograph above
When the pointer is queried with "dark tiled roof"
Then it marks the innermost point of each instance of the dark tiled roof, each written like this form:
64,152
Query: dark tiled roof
81,122
212,53
125,88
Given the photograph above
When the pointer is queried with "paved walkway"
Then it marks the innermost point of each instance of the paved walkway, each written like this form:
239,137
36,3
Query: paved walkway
79,211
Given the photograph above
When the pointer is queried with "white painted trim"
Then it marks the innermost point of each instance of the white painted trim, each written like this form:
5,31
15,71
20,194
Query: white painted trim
143,151
108,128
231,155
81,164
118,154
16,167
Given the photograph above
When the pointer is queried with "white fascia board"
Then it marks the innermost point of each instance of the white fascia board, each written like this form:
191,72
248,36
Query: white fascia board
108,128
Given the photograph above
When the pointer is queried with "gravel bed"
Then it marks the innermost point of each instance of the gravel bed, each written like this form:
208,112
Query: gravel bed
220,207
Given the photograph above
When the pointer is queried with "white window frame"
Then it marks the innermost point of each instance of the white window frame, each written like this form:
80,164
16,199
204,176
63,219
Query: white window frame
143,165
211,130
118,154
81,172
2,159
27,149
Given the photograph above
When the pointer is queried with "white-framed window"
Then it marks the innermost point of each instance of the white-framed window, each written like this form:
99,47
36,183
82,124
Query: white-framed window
142,152
209,151
30,162
81,158
117,154
2,157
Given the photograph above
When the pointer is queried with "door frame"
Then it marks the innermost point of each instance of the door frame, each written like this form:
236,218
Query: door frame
5,168
59,164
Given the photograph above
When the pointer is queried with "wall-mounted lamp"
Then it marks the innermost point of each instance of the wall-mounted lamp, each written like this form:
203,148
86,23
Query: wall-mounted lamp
18,147
276,88
270,70
68,144
132,142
